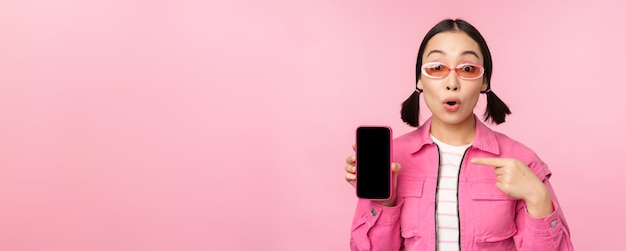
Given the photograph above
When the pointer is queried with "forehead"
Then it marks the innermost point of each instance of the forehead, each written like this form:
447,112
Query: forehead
452,44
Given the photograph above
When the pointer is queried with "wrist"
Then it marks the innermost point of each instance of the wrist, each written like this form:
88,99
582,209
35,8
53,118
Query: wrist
539,195
539,204
388,203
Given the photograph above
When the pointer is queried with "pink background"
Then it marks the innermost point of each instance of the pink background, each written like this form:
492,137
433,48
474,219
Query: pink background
187,125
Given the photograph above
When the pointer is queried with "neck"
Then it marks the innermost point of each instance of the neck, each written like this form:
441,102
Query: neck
459,134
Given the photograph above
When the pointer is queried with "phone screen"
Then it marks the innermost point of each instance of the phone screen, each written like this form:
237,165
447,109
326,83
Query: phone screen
373,162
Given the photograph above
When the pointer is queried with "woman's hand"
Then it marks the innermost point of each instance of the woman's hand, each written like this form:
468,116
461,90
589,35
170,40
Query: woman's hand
351,177
517,180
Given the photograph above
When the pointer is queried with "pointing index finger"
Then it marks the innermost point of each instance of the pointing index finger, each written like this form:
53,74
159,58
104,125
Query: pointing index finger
496,162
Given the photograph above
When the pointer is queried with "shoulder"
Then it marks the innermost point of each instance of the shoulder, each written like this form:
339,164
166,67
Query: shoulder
413,138
511,148
407,137
404,142
409,143
509,145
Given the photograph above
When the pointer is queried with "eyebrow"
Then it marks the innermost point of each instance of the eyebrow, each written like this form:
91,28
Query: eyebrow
464,53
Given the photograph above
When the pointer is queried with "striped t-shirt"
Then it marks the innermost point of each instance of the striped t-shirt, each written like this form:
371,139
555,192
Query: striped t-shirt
447,200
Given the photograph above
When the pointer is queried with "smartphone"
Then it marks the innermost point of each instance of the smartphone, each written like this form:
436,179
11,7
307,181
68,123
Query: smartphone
373,162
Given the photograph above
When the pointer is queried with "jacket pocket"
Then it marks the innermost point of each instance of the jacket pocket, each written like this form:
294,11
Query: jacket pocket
502,242
494,213
410,191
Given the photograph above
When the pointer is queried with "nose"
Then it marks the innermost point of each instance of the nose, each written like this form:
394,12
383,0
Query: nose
452,82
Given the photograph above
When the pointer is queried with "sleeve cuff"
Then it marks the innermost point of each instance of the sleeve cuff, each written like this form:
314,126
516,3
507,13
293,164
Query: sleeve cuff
379,214
547,225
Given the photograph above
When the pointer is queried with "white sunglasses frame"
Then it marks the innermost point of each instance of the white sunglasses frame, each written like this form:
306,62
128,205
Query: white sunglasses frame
455,69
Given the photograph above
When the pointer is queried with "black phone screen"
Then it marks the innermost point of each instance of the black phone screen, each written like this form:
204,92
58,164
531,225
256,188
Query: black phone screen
373,162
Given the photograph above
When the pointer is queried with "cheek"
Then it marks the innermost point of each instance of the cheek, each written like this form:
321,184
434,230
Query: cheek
433,102
430,86
473,94
431,92
474,99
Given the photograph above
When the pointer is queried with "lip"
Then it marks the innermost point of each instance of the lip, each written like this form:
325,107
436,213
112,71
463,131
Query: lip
453,107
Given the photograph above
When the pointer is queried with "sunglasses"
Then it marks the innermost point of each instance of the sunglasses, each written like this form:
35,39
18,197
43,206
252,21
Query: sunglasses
464,71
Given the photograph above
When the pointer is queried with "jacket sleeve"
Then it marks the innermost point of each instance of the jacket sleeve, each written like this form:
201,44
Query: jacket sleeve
544,233
376,227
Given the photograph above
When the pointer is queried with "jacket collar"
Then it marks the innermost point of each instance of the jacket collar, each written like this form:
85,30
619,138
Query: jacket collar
485,138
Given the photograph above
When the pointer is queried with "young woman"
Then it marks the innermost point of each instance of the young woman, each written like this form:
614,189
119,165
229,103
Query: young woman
462,186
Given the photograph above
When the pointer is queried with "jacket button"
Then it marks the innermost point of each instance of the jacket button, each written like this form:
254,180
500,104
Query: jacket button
373,212
553,224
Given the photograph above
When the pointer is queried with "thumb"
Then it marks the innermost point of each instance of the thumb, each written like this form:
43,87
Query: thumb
395,168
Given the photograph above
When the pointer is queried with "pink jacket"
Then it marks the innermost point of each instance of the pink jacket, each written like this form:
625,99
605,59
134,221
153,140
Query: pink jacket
488,218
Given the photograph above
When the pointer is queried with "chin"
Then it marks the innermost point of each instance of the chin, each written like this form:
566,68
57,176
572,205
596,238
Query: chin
454,118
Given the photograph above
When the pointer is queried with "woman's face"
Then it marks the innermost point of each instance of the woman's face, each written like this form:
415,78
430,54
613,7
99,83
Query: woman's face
452,99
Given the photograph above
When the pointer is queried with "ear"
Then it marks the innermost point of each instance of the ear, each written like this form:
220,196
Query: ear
484,86
419,85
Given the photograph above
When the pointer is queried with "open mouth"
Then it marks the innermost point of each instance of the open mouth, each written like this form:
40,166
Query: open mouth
451,104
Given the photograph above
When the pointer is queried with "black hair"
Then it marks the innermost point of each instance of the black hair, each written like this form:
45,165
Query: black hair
496,110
